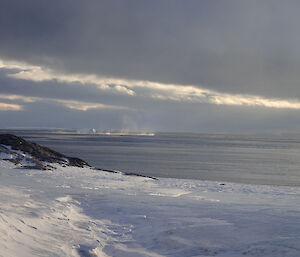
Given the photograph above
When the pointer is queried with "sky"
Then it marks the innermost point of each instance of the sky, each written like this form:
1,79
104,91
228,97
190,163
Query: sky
183,66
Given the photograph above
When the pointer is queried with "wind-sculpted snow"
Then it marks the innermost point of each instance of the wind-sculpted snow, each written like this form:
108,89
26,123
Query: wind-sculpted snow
73,211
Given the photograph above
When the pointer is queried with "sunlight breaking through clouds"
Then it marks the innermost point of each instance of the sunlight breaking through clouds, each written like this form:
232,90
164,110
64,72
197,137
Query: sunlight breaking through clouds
84,106
70,104
162,91
10,107
39,74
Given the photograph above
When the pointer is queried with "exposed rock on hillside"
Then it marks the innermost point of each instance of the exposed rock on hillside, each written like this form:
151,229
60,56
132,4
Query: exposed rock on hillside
29,154
26,154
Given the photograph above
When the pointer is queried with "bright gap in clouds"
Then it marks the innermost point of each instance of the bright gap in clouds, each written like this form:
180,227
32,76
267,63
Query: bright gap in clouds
85,106
71,104
10,107
173,92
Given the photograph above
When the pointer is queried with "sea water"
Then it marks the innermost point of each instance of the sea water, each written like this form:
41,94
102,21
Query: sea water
230,158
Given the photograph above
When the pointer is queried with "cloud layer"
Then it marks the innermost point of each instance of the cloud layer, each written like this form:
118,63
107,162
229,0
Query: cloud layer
150,89
241,47
71,104
163,65
10,107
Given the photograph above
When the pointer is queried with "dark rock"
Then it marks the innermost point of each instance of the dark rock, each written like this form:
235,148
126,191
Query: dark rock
138,175
110,171
14,161
126,173
73,161
4,149
39,157
38,153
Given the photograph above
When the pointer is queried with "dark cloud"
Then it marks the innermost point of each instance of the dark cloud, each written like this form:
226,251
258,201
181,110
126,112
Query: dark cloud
187,117
77,92
248,47
232,46
51,115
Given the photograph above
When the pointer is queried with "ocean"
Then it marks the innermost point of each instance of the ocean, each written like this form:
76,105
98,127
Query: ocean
270,160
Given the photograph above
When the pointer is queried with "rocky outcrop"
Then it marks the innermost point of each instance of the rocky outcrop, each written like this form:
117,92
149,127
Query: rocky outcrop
21,151
26,154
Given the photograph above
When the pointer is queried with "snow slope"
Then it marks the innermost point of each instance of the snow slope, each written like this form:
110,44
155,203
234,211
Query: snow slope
71,211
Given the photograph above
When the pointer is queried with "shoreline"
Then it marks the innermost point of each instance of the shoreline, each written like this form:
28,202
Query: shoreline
143,155
54,204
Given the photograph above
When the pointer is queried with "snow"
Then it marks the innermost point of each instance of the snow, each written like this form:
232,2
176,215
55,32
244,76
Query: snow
22,157
70,211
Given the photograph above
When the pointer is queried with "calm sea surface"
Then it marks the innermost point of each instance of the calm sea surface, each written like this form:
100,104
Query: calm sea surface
247,159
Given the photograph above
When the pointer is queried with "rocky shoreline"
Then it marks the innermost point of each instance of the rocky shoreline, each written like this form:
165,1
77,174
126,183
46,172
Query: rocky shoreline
30,155
21,151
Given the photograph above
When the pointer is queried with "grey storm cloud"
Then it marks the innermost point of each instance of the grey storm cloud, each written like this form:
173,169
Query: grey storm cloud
172,118
245,47
200,66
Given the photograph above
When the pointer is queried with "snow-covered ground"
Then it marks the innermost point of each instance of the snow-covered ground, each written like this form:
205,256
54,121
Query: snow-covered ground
72,211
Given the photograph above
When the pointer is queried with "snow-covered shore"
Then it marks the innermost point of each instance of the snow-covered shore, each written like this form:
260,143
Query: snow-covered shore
72,211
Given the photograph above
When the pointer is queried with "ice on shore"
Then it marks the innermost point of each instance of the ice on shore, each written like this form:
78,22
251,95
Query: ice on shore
72,211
